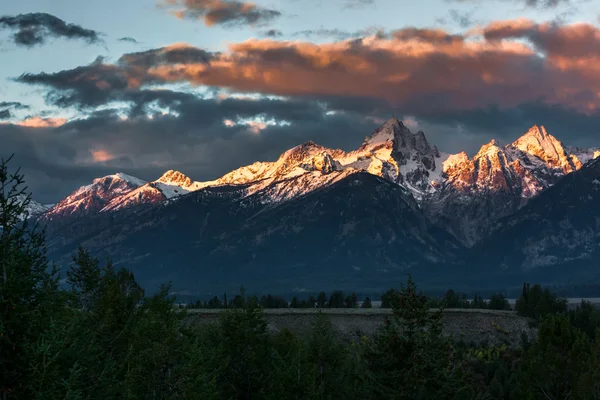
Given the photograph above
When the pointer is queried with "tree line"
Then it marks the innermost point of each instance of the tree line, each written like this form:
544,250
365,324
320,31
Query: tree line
102,337
337,299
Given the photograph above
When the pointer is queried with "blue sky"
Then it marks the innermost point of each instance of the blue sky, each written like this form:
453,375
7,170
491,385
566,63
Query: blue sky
535,74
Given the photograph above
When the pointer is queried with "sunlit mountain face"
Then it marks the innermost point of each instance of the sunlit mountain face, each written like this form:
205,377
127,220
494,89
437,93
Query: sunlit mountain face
349,139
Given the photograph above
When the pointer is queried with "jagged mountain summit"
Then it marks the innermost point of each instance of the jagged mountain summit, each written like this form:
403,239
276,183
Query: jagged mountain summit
497,182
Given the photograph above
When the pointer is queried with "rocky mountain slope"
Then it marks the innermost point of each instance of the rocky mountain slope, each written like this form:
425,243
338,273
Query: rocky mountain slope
555,236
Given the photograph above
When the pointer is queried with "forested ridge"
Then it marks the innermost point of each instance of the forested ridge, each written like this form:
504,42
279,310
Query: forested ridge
102,337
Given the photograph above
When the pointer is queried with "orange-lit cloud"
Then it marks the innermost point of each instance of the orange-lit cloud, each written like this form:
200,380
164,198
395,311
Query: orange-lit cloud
101,155
256,126
431,67
505,64
221,12
39,122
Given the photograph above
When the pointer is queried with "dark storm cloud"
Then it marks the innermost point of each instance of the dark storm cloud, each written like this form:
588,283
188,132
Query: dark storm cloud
98,83
506,124
5,114
36,28
222,12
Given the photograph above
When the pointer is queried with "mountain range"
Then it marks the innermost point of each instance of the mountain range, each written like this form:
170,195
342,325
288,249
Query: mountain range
320,218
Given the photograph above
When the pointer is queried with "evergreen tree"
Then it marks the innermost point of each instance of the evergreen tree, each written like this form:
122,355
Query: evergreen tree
411,359
498,302
322,299
84,278
386,298
367,303
337,299
556,361
294,303
28,289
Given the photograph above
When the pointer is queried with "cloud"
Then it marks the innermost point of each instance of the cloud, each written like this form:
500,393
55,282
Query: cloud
227,13
578,41
101,155
358,3
36,28
39,122
426,35
339,34
417,70
7,106
462,19
128,39
272,33
540,4
15,105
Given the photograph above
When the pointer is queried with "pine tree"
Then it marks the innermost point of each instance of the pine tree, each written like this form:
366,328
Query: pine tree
322,299
27,288
84,278
367,303
411,358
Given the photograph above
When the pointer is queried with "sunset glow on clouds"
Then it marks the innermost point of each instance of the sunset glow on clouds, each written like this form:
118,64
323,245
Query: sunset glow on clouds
101,155
409,68
39,122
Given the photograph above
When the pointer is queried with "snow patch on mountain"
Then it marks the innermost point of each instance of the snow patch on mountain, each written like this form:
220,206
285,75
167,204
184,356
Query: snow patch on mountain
32,209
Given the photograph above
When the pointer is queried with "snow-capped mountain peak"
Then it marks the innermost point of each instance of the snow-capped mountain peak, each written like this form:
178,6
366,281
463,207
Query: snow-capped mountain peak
94,197
175,178
539,143
389,132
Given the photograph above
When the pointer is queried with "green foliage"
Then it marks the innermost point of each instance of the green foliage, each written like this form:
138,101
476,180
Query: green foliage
498,302
386,298
411,359
367,303
586,317
271,301
29,292
556,363
337,300
536,303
